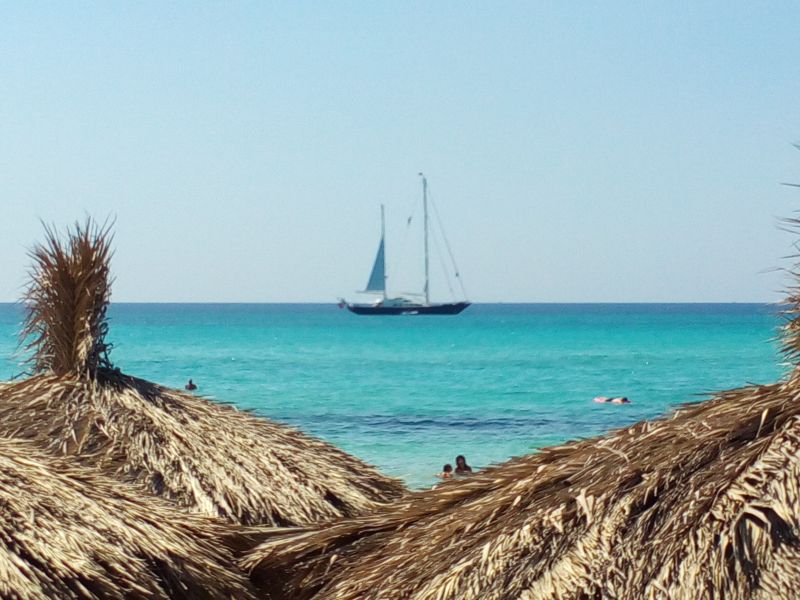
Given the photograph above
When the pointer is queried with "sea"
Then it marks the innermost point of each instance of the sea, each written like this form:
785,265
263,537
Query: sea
409,393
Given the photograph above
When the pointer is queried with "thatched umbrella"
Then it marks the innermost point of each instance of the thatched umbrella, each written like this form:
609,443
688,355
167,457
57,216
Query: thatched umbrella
68,532
208,457
702,504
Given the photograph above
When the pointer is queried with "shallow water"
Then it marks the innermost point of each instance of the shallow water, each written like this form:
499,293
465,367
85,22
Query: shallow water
409,393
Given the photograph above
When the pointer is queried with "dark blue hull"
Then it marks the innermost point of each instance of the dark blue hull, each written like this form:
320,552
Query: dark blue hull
431,309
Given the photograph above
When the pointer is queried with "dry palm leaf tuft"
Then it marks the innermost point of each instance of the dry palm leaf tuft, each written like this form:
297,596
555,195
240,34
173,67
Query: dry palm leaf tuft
66,301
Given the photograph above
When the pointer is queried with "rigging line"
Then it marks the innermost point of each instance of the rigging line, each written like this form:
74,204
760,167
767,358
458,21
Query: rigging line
447,245
400,264
440,256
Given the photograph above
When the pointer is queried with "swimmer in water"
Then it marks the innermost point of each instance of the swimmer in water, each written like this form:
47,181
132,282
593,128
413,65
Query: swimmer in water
447,472
462,468
190,386
618,400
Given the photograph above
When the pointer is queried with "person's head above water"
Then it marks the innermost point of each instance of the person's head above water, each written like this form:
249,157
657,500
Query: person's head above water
461,465
447,468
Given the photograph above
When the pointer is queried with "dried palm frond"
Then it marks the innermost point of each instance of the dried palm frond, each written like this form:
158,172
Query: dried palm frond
791,310
66,301
204,456
704,504
67,532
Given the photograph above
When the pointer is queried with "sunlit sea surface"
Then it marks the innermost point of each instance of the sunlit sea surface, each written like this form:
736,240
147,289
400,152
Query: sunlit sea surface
410,393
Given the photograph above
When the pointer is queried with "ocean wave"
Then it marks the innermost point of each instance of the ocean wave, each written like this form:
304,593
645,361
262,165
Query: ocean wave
404,422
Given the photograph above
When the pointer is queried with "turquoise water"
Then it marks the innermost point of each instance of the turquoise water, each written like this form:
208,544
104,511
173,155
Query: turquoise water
409,393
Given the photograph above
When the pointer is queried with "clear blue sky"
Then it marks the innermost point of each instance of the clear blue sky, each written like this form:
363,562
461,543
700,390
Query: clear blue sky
577,151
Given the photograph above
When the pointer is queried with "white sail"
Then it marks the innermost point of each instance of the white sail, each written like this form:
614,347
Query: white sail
377,279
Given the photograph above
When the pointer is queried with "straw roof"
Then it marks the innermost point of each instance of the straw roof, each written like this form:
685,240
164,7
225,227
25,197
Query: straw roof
67,532
208,457
703,504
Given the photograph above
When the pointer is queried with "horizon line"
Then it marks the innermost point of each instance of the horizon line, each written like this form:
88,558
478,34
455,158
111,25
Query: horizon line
474,303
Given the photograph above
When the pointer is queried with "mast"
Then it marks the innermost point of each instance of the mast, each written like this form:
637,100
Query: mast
425,213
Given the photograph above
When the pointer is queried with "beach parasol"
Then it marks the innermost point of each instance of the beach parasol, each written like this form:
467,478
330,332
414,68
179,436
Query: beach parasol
207,457
68,532
704,503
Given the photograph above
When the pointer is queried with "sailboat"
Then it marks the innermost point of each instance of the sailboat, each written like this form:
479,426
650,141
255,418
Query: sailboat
400,305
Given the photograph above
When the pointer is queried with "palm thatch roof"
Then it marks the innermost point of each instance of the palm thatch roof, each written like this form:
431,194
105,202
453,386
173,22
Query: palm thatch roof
68,532
702,504
205,456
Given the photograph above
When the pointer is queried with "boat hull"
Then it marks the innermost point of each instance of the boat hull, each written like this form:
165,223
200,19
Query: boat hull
430,309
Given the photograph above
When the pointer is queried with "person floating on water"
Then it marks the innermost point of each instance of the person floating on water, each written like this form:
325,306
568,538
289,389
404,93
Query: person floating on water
617,400
462,468
190,386
447,472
